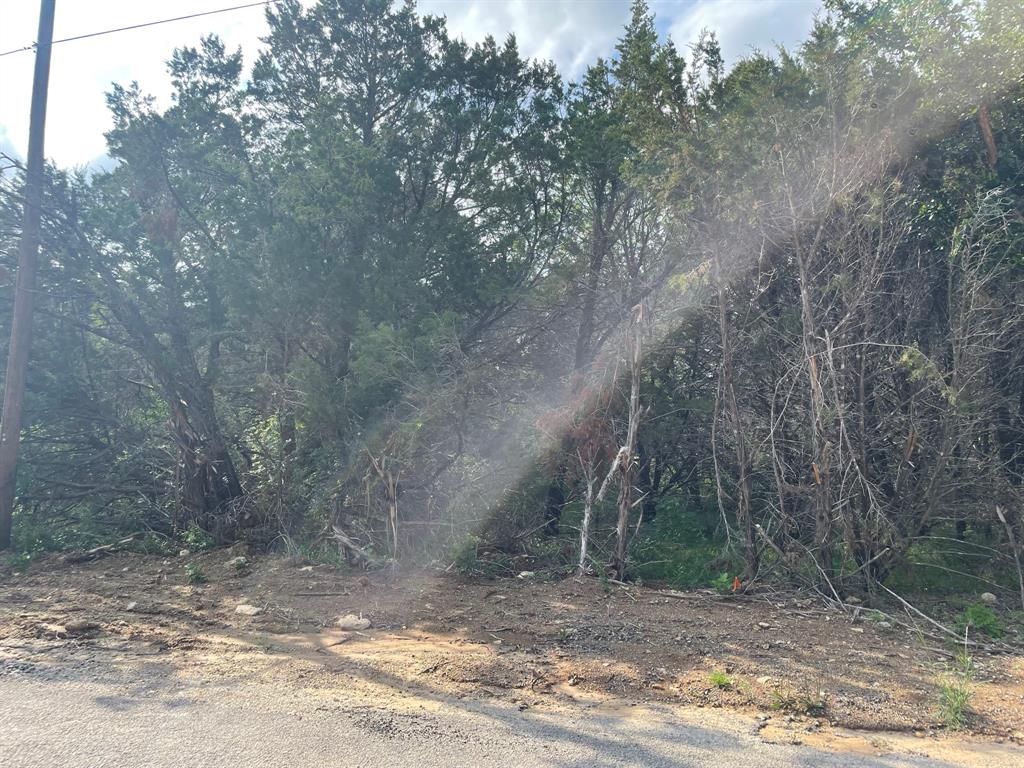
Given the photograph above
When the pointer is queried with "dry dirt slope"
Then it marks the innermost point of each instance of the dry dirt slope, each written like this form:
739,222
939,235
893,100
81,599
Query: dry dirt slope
533,645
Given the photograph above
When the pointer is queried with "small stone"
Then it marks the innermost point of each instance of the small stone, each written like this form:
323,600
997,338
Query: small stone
352,623
306,569
764,625
80,627
526,575
184,553
131,606
858,630
989,598
238,563
884,624
854,601
248,610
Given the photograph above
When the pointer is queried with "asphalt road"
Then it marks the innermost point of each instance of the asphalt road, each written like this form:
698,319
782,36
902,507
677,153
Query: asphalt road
57,721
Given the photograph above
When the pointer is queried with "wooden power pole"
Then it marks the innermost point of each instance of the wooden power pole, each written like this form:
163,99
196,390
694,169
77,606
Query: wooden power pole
24,291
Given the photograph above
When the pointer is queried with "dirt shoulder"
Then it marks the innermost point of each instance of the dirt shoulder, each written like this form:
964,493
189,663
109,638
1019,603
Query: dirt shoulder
806,673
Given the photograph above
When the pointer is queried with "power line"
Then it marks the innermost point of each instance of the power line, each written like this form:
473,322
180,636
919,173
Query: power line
145,24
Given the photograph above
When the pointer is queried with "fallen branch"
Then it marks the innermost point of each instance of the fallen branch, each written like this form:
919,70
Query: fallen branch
97,552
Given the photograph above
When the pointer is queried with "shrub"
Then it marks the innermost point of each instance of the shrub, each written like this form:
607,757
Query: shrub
980,617
196,539
195,574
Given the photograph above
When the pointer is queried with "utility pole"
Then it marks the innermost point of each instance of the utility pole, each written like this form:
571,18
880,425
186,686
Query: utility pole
24,291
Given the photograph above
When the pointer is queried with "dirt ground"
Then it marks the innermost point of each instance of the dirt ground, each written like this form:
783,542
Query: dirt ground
806,672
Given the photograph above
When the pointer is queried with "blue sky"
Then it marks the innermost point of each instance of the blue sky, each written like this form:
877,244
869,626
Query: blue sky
571,32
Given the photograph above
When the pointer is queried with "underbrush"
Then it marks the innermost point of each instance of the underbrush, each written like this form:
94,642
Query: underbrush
678,549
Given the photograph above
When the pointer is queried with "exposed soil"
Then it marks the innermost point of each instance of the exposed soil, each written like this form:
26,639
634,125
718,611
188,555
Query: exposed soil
799,666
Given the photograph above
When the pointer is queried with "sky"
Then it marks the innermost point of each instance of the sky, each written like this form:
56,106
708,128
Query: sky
572,33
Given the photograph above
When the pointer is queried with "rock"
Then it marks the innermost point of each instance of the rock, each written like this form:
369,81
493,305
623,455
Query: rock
248,610
306,569
764,625
988,598
765,680
184,553
884,624
238,563
854,601
131,606
352,623
526,574
80,627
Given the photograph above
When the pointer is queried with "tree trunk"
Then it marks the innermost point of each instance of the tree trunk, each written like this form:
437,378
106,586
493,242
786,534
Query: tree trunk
629,449
744,518
985,122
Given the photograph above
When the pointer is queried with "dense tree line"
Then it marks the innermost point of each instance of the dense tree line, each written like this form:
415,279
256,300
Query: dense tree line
394,293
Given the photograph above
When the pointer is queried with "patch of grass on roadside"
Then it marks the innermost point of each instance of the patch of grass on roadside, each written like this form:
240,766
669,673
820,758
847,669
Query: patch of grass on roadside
955,692
720,680
801,703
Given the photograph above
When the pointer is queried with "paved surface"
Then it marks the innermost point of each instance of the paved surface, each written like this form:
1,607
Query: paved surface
62,721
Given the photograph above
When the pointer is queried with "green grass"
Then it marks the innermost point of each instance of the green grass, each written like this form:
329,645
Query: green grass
720,680
802,703
955,693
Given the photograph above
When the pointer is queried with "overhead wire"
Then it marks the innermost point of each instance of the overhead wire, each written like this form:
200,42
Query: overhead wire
144,24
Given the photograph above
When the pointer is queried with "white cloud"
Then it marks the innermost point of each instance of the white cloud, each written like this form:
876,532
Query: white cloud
571,32
745,25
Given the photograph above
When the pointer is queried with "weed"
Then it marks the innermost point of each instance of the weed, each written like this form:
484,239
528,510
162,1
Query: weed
465,555
196,539
19,560
722,583
955,692
720,680
152,544
470,561
981,618
195,574
803,703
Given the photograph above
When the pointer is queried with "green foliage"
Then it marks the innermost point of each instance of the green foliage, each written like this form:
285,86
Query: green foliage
720,680
196,539
195,574
465,555
18,560
285,275
471,559
980,618
955,692
153,544
677,550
